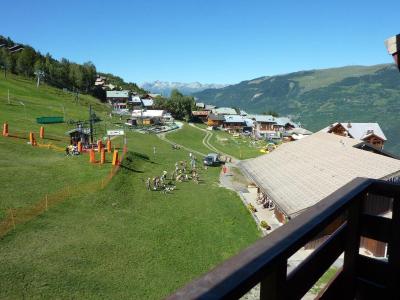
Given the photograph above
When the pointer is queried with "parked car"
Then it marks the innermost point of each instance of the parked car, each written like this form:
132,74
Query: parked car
212,159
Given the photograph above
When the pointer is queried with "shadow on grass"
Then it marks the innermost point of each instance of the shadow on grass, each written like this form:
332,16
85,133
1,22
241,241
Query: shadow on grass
130,169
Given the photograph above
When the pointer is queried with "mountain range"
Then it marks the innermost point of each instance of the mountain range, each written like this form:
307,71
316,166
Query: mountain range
317,98
165,87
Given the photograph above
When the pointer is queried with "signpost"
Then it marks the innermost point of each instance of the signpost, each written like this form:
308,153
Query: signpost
115,132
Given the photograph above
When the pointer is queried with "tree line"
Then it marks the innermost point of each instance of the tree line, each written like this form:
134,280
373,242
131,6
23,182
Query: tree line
61,74
179,105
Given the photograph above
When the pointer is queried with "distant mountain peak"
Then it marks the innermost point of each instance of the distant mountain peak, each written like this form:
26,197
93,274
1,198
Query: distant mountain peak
165,87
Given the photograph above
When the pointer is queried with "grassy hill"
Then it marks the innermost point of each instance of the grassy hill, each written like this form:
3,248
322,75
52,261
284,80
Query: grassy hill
317,98
113,241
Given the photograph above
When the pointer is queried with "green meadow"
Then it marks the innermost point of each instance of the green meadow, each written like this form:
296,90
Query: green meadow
119,241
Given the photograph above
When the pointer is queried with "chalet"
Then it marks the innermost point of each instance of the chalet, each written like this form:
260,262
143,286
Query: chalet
100,81
209,107
148,103
295,134
148,117
118,99
135,102
296,176
263,124
367,132
200,106
284,124
233,123
201,115
393,47
215,120
224,111
15,48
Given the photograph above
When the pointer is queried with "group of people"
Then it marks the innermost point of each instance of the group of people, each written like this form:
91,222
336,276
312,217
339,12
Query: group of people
181,173
265,201
71,150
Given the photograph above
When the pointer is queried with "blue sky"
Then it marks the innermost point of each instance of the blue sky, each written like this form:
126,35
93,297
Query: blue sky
204,40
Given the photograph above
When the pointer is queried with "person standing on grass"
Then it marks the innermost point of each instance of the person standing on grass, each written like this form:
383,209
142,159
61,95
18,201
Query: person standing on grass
148,184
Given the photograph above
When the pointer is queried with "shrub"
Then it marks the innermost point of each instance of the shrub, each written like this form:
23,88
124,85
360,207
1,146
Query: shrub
265,225
251,208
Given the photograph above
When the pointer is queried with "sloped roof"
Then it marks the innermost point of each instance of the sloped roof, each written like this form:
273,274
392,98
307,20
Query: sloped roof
148,113
263,118
299,130
224,111
282,121
200,104
148,102
299,174
215,117
233,119
360,130
117,94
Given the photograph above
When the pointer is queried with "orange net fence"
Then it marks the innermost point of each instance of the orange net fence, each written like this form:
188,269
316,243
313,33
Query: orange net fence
17,216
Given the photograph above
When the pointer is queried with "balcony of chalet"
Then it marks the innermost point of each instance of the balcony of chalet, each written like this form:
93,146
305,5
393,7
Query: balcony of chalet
360,277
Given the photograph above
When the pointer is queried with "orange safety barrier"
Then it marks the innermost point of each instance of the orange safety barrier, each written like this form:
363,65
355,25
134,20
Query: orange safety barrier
32,139
102,156
108,146
99,145
79,147
41,132
115,158
5,129
92,158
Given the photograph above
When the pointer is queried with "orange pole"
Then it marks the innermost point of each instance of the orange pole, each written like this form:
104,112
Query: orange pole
32,138
99,145
41,132
92,158
5,129
115,158
108,146
102,156
79,147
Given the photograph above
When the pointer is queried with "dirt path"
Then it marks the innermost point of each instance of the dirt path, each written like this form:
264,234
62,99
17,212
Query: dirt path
162,136
207,143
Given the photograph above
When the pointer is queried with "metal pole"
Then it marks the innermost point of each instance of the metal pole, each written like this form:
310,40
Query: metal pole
91,124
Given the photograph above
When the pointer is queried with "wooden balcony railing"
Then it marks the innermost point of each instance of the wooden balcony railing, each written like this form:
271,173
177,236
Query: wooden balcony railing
361,277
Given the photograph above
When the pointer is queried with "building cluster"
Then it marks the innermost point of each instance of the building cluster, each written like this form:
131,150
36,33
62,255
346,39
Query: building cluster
298,175
13,49
259,126
123,102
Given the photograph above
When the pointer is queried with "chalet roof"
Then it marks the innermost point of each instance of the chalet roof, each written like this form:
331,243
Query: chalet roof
243,113
136,100
299,130
200,105
148,102
262,118
282,121
150,113
224,111
249,122
233,119
360,131
299,174
215,117
209,107
117,94
200,113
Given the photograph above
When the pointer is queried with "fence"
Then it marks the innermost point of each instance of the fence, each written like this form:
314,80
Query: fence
17,216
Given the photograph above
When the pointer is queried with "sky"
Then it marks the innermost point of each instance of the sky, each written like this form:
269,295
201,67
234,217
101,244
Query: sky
210,41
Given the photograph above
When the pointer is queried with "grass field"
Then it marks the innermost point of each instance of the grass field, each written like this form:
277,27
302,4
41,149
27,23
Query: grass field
239,147
189,137
118,242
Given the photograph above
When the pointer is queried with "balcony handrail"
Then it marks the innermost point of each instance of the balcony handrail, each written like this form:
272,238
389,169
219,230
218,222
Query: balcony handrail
237,275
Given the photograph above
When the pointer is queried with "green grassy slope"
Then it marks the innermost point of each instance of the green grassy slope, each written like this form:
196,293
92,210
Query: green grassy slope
319,97
118,242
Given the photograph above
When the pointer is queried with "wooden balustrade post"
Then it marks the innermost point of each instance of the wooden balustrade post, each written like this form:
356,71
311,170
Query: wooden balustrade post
352,246
272,287
394,250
